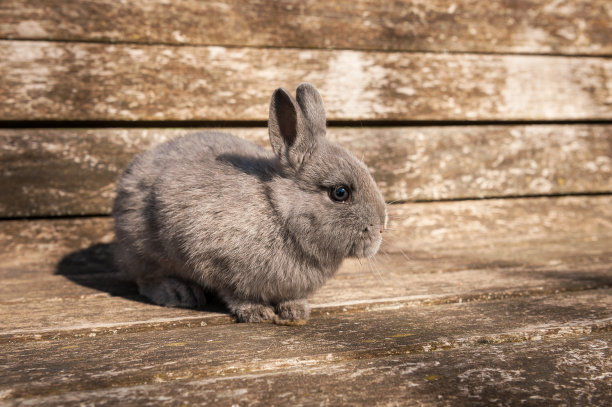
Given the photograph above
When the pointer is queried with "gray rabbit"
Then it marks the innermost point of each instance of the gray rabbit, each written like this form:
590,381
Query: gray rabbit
262,230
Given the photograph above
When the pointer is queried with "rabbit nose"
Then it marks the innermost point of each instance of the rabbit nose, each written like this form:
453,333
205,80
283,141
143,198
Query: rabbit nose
368,228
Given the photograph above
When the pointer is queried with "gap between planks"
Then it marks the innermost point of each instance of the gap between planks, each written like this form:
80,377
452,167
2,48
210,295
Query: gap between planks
313,48
389,203
204,125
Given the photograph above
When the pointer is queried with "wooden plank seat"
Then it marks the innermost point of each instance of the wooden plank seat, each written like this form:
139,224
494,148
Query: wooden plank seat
85,81
50,172
537,27
487,125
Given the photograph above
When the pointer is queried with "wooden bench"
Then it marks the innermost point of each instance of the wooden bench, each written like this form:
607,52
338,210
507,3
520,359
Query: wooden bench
488,126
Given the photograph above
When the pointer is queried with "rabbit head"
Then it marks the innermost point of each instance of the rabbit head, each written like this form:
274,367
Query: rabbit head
326,197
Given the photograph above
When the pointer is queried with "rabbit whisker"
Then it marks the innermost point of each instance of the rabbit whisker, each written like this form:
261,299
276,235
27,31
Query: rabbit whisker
405,255
373,269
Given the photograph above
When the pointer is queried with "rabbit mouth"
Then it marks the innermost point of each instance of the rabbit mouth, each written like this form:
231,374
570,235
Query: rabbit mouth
366,247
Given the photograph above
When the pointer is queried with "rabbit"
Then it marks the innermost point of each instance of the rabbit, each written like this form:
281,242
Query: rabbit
262,230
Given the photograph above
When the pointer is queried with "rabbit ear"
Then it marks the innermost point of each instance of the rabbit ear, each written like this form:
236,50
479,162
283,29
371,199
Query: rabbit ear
290,136
312,106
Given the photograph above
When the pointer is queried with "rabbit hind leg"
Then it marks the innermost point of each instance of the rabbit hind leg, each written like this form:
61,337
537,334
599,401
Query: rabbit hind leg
172,292
155,282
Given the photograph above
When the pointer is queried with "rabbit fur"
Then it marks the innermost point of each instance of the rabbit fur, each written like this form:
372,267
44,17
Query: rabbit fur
211,212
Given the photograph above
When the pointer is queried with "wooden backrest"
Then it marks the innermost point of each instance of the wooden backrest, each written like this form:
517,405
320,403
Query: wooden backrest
443,99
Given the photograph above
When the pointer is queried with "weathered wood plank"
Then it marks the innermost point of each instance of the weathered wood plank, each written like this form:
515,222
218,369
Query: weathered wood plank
560,371
77,81
421,231
73,171
60,308
436,253
489,224
542,26
50,366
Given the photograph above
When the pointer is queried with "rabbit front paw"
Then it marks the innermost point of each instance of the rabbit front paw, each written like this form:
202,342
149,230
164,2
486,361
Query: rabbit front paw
292,311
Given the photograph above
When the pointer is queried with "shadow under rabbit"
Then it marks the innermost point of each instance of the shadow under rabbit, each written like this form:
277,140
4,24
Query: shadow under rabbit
93,267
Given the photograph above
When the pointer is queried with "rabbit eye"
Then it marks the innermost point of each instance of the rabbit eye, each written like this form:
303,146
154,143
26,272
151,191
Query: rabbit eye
340,193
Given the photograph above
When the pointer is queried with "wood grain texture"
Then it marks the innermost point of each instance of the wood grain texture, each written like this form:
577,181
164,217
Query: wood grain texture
414,229
560,371
531,26
49,366
72,172
67,307
58,274
76,81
